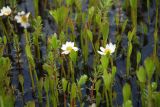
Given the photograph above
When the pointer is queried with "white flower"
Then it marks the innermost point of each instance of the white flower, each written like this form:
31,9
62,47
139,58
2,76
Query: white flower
68,47
109,49
22,18
5,11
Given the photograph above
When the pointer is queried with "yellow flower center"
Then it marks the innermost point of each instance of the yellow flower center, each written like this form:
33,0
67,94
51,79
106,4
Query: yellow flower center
6,13
69,48
24,19
107,51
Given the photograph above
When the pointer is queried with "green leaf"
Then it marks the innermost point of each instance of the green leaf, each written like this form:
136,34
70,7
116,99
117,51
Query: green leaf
131,34
46,85
98,19
107,78
129,49
154,86
141,74
55,42
5,66
82,80
124,25
73,90
128,103
98,99
114,70
126,92
5,40
104,61
73,56
29,55
138,57
69,2
97,85
157,99
1,50
150,67
21,79
89,33
91,12
105,31
60,15
48,68
31,104
64,84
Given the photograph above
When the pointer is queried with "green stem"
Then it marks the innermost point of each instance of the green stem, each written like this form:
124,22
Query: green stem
26,36
48,105
72,70
107,100
110,96
142,87
31,75
149,95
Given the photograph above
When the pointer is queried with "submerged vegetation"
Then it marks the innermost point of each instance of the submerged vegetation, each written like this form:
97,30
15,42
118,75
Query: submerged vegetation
84,53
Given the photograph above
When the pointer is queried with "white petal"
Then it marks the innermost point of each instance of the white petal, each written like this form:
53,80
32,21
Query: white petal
65,52
25,25
112,48
63,47
72,44
67,43
22,13
107,46
101,53
102,49
18,18
75,48
27,15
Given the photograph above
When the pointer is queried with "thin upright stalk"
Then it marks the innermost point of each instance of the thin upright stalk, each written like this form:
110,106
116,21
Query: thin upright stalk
71,70
149,95
31,76
107,100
